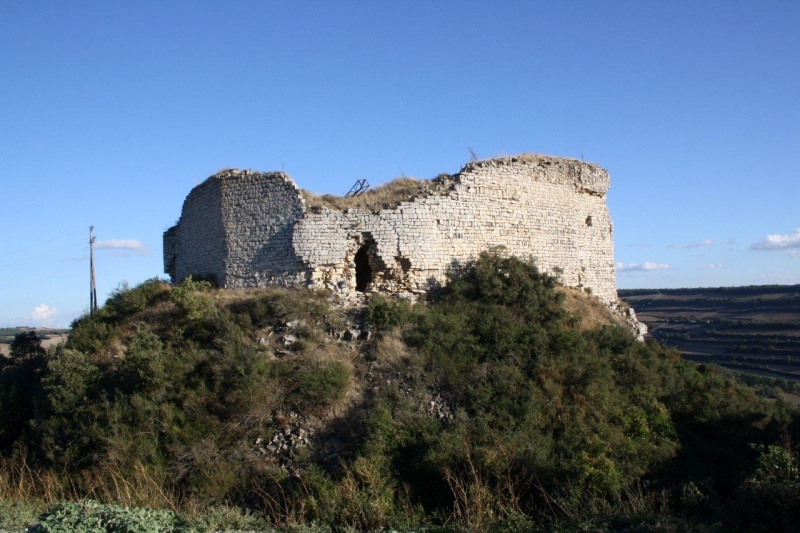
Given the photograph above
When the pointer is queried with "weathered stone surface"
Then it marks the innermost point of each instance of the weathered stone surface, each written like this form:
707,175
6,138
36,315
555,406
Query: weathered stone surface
250,229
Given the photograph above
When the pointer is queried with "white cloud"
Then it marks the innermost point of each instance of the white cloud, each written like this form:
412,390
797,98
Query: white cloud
644,267
127,246
794,254
698,244
43,314
712,266
705,242
778,242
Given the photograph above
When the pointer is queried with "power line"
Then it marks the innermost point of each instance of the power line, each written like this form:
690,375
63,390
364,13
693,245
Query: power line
43,242
33,259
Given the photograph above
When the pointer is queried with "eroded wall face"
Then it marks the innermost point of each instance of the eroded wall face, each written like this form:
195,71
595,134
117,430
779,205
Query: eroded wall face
197,245
554,214
259,213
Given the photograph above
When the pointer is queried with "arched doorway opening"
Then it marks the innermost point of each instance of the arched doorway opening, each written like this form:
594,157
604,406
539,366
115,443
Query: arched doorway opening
363,268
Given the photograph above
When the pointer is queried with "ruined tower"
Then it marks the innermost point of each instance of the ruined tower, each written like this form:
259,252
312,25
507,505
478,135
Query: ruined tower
252,229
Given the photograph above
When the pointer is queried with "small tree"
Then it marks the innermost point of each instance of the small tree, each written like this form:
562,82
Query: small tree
20,387
26,346
71,407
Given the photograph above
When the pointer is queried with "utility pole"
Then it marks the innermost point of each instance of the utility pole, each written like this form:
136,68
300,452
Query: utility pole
92,288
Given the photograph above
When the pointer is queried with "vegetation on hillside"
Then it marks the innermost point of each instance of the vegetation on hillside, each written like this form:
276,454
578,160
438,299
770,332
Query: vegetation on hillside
489,407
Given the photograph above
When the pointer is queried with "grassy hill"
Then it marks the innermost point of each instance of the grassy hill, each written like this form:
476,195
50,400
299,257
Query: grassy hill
500,403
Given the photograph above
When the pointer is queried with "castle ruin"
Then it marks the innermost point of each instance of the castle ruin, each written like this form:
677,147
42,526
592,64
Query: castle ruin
252,229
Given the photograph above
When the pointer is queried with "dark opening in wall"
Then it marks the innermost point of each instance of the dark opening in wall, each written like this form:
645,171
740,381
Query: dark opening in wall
171,268
363,269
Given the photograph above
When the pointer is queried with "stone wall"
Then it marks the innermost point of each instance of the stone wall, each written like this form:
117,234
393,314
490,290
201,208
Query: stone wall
197,244
259,212
550,210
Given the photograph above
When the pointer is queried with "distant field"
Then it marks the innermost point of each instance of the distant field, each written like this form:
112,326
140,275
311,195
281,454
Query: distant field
49,336
754,329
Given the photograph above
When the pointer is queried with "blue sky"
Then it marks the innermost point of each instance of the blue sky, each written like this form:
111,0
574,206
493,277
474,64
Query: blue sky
110,112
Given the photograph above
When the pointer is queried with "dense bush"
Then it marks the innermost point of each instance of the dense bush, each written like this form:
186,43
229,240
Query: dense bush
770,496
93,517
21,393
382,312
485,407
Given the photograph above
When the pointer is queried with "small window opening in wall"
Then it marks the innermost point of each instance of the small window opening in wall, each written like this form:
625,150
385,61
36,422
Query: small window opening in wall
589,221
363,270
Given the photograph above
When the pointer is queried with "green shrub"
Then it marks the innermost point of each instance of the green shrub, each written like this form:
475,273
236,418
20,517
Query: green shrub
70,381
143,366
770,496
92,517
91,335
190,298
315,384
17,516
124,301
224,518
385,313
71,409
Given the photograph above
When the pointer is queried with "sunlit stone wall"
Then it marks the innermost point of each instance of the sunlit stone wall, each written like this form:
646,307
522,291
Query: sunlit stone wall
249,229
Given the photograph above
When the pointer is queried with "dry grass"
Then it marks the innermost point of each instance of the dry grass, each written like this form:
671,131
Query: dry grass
591,311
288,303
481,498
390,350
390,195
385,196
136,486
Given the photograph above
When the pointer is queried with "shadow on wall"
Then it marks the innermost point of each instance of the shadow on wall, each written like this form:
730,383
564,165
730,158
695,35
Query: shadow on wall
455,267
277,254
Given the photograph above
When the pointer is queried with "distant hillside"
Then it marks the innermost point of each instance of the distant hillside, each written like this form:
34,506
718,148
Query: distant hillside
755,328
49,336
